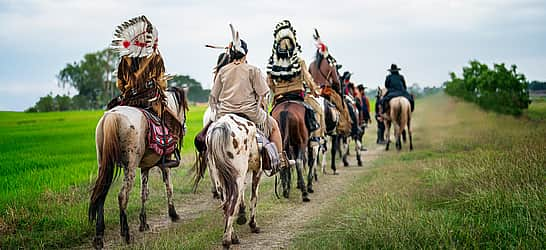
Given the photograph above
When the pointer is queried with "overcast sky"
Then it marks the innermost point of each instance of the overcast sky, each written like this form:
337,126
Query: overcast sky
426,38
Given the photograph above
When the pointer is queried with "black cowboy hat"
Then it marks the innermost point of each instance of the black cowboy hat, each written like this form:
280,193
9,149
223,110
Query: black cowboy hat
394,68
347,75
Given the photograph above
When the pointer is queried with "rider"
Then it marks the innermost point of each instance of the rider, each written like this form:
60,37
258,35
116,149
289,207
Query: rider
288,78
324,72
363,104
239,88
396,86
141,75
379,119
349,94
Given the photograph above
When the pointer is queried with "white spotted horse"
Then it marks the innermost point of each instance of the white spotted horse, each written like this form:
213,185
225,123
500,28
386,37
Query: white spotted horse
122,143
233,152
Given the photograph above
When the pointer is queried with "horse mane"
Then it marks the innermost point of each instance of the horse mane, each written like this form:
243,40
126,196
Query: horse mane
180,96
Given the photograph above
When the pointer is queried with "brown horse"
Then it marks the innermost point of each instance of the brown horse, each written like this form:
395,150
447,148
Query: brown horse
400,114
121,142
290,116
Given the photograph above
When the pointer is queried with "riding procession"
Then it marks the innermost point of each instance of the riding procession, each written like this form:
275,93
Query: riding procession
257,125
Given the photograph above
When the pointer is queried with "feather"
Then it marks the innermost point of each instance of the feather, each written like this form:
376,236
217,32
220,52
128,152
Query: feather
215,46
136,37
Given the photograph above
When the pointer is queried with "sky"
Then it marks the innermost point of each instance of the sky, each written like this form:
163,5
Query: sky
426,38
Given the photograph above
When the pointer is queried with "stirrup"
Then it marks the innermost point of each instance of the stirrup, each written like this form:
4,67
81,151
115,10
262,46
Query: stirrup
285,161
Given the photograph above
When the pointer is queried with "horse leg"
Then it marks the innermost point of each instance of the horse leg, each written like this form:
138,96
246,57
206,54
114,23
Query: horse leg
169,190
404,135
285,182
333,152
388,135
324,158
143,197
253,201
123,199
358,145
241,216
301,181
410,132
345,150
312,163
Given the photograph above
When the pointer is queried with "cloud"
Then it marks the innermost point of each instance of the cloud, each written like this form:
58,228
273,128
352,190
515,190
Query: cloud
428,38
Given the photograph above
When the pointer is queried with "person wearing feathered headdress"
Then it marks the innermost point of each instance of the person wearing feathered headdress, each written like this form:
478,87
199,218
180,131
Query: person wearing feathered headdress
288,77
240,88
141,73
324,72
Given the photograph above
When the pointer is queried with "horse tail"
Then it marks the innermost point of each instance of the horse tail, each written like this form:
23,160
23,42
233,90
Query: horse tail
217,149
108,149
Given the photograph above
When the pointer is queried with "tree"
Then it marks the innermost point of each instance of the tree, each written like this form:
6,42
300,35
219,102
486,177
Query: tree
45,104
500,89
196,93
92,77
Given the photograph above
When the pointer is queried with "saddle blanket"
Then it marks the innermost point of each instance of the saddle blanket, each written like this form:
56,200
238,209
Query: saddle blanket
159,138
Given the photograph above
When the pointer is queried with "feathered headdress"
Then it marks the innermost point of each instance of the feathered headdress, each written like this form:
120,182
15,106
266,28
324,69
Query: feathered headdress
136,37
284,62
323,49
236,45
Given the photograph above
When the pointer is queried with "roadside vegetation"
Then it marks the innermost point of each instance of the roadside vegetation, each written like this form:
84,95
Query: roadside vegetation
475,180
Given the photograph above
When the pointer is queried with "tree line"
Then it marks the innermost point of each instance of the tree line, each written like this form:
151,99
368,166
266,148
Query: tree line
499,89
94,78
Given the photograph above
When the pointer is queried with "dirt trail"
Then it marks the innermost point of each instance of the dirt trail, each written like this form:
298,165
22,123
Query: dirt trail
278,232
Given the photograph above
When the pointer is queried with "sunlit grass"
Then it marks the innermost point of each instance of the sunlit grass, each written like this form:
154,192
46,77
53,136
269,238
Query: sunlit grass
475,180
47,165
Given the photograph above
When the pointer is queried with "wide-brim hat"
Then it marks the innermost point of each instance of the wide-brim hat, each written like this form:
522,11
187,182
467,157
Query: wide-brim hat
394,68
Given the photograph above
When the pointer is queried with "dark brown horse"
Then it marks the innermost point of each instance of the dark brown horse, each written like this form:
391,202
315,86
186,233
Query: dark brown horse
290,116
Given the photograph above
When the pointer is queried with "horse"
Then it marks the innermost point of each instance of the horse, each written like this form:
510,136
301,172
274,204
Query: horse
316,150
121,142
331,120
357,138
232,154
399,113
290,116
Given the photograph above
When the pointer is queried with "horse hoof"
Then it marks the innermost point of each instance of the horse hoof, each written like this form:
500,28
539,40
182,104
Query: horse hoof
144,227
306,199
285,194
172,213
215,195
98,243
235,239
255,230
345,164
335,173
310,190
359,163
226,244
241,220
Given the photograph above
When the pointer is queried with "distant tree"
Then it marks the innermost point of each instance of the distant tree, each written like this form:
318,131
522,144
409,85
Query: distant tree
62,103
500,89
45,104
536,85
196,93
92,77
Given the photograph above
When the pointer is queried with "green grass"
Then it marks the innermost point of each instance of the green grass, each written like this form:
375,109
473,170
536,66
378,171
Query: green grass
475,180
537,110
47,165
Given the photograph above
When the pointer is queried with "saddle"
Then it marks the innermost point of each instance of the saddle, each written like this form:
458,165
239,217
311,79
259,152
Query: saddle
310,119
159,139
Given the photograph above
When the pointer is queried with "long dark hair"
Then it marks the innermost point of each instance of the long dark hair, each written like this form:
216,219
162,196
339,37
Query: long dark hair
318,58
